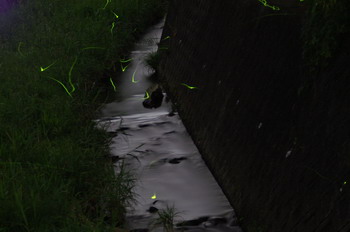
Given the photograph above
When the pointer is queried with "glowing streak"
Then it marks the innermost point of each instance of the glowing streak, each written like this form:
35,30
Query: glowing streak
93,48
115,15
113,24
108,1
147,96
168,37
344,182
154,196
110,79
267,5
125,61
133,78
65,88
70,75
19,48
190,87
123,68
43,69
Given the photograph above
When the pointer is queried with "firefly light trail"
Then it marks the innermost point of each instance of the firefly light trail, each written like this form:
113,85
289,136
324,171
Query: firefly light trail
168,37
115,15
70,74
108,1
43,69
267,5
154,196
190,87
133,78
65,88
147,96
110,79
124,61
113,24
123,68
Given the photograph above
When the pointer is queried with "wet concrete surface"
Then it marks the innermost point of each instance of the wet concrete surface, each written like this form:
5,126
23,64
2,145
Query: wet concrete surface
156,147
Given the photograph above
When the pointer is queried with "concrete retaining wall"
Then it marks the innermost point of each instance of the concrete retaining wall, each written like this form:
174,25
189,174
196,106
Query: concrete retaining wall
276,139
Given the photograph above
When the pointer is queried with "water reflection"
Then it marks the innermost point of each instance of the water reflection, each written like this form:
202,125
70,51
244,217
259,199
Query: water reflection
152,141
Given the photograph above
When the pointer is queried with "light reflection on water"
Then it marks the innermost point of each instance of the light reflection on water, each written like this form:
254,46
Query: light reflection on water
157,147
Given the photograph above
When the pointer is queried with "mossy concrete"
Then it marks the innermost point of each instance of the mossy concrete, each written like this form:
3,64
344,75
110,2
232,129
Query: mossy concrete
275,137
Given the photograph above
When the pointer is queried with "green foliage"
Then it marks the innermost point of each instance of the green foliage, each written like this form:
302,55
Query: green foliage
166,218
53,171
326,22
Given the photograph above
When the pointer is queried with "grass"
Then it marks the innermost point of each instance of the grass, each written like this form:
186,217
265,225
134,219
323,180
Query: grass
166,218
53,174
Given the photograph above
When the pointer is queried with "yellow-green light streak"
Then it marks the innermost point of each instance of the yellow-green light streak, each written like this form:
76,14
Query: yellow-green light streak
190,87
264,2
115,15
123,68
43,69
147,96
65,88
108,1
154,196
115,89
70,75
113,24
168,37
124,61
133,78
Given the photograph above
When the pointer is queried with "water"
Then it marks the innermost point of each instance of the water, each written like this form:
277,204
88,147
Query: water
156,146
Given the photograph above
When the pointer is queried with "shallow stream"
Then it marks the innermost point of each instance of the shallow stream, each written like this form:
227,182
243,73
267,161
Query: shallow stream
158,150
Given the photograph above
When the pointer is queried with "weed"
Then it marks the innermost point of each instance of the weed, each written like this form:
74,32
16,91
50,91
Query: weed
166,218
52,169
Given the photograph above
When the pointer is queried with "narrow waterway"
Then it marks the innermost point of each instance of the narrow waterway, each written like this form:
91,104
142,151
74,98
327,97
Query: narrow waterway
157,148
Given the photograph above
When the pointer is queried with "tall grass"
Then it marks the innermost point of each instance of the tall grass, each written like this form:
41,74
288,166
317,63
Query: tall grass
166,218
53,174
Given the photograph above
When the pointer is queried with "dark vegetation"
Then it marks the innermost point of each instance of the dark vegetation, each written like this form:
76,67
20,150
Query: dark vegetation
54,175
326,24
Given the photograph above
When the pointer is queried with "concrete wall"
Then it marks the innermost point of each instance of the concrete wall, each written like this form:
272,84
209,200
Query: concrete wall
276,139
